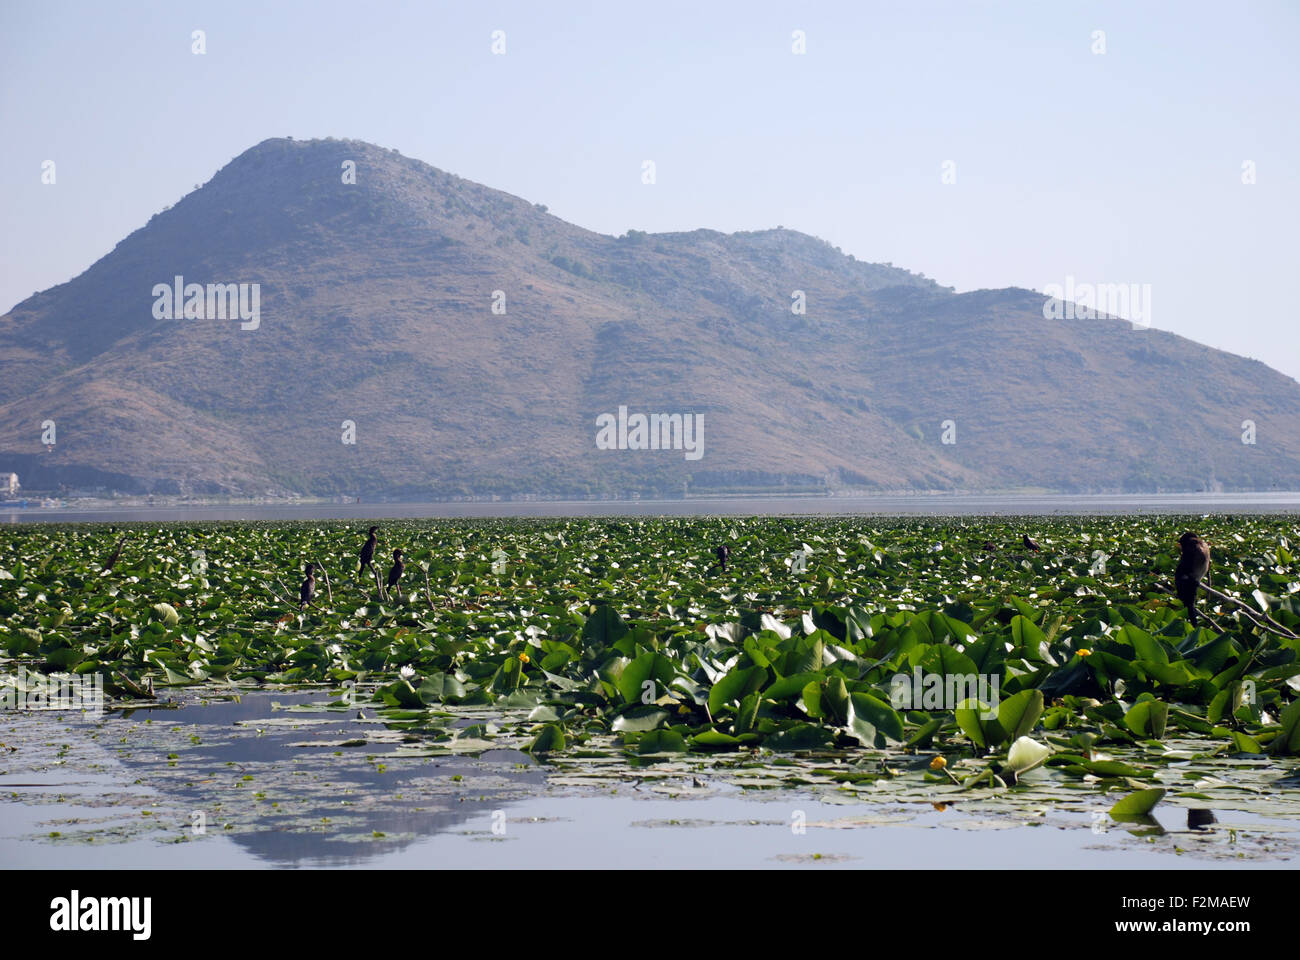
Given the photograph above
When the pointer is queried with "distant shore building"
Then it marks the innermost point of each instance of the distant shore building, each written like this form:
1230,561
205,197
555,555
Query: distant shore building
9,484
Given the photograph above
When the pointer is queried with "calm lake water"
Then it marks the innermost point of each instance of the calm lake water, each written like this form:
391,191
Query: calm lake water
280,779
983,505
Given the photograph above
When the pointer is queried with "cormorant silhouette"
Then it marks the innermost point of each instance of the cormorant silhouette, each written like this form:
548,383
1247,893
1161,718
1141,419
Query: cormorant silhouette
308,589
1193,567
723,553
368,550
395,571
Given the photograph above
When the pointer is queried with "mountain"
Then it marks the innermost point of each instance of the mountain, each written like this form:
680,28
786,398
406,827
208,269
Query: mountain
375,306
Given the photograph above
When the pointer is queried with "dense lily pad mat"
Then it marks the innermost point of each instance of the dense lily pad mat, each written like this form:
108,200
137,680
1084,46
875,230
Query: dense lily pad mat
584,636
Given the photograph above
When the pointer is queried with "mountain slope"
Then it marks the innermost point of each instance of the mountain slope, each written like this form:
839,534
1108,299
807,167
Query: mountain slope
376,308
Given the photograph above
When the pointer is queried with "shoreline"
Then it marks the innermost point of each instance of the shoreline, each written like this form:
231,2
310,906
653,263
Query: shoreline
936,505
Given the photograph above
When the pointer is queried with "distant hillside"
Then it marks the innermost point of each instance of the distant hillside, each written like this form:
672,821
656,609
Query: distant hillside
376,307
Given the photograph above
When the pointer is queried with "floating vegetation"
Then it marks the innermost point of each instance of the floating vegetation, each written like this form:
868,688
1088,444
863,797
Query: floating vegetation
614,654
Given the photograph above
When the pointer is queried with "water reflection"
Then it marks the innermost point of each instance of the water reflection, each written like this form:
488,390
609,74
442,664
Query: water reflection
301,796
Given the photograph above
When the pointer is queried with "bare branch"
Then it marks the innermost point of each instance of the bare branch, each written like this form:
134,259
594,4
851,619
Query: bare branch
327,582
1250,612
288,603
1280,630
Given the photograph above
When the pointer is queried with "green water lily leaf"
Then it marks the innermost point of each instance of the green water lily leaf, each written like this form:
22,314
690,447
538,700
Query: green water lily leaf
836,705
811,700
944,661
1137,804
979,722
737,684
639,677
716,740
1145,646
603,628
879,714
1288,741
1244,744
549,739
748,713
438,687
1147,718
1112,768
661,741
1170,674
1027,637
925,733
801,736
1019,713
639,719
793,686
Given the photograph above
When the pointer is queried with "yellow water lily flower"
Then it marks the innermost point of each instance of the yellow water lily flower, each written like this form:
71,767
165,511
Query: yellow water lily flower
938,763
1084,653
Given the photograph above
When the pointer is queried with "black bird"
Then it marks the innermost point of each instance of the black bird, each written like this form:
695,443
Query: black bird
395,571
368,550
117,554
308,589
1030,544
722,553
1193,567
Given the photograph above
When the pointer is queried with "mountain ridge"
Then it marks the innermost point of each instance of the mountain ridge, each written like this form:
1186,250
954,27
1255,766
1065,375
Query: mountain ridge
376,308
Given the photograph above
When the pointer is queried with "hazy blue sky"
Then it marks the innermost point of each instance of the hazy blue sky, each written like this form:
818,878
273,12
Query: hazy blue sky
1124,167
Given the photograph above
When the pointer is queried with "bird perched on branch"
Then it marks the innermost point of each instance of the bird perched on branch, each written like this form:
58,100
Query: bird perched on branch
368,551
395,571
1030,544
308,589
1193,567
